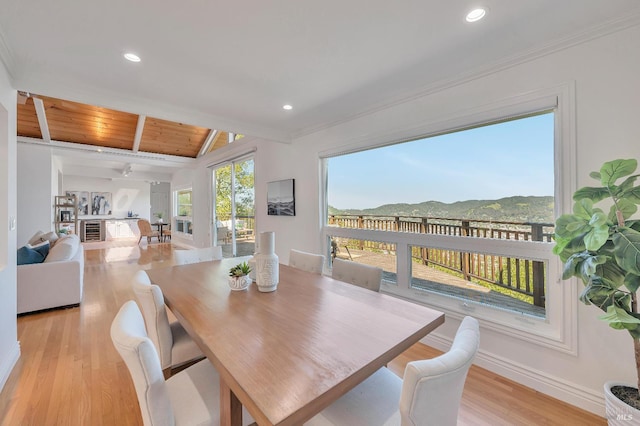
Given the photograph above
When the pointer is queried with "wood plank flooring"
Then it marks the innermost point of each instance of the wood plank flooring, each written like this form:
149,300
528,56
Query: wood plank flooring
70,374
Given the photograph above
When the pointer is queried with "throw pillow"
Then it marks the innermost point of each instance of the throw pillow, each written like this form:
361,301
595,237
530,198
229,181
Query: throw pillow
27,256
37,238
50,236
42,248
63,251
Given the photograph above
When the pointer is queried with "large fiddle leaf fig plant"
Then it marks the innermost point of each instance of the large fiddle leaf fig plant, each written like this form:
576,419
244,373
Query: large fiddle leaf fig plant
602,247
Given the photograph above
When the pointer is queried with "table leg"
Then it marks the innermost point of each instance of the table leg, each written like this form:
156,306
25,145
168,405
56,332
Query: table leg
230,407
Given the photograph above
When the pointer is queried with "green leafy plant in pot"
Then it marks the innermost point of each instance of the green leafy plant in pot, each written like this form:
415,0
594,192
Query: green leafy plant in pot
602,248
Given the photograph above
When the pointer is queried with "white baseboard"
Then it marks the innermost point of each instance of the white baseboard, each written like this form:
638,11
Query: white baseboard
556,387
7,364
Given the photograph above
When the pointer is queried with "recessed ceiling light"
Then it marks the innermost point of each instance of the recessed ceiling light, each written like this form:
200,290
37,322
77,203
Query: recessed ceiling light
287,107
132,57
476,14
99,150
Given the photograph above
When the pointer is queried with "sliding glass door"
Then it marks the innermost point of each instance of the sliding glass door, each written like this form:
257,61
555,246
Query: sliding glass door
233,222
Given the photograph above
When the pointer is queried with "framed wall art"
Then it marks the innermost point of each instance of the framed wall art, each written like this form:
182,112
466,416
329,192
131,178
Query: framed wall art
281,199
82,198
100,203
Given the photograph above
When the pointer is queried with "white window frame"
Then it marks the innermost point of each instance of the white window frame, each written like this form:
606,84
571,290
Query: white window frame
177,217
558,330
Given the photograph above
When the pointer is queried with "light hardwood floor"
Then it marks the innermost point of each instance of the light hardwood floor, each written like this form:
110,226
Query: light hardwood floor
70,374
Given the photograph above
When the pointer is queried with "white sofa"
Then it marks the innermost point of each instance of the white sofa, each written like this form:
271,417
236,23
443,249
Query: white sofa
57,282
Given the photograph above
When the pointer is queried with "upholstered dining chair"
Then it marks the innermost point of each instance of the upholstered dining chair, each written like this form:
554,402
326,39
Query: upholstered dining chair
306,261
175,347
146,231
365,276
191,397
184,257
429,394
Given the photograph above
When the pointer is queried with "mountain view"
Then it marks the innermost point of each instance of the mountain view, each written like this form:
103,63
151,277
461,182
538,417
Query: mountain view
516,209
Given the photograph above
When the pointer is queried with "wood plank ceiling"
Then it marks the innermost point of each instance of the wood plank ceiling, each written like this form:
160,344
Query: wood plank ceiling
46,118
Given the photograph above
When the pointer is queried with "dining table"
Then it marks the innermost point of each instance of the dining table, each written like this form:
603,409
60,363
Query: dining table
288,354
160,226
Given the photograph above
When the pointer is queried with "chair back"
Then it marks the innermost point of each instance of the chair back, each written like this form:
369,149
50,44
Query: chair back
306,261
151,301
138,353
183,257
145,227
432,389
365,276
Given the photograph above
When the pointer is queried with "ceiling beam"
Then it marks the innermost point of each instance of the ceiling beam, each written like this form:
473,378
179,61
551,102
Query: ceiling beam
207,142
138,137
42,119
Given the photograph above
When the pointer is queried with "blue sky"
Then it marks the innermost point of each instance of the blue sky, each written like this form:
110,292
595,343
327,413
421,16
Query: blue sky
491,162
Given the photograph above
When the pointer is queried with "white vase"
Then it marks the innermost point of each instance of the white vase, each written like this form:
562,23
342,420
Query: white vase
267,266
252,264
618,413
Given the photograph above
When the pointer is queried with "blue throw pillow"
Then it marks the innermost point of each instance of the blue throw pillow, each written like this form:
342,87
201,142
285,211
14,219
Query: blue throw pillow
42,248
27,256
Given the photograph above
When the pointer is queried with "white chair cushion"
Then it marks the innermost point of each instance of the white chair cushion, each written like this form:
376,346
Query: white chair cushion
306,261
365,276
373,402
195,396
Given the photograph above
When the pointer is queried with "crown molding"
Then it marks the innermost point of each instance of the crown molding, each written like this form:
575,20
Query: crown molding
595,32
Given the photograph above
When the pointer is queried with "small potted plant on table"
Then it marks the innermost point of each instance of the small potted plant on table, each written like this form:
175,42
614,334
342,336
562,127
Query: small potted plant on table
239,276
603,250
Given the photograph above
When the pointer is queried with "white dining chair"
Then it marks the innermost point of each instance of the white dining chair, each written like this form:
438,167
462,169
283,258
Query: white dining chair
306,261
175,347
429,394
365,276
184,257
190,397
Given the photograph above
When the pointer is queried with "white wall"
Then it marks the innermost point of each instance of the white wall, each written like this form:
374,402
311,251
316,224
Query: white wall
9,347
607,100
125,194
35,185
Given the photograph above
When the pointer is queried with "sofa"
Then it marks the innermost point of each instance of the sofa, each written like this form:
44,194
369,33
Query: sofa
57,281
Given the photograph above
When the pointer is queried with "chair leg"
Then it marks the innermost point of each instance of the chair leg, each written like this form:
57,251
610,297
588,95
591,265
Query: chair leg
140,239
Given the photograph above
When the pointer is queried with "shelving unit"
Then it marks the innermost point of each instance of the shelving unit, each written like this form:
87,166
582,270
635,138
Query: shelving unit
66,213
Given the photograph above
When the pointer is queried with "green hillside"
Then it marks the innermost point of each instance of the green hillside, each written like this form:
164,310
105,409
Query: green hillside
517,209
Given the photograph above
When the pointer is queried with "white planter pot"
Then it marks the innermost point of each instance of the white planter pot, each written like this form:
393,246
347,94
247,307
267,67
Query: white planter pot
239,283
617,412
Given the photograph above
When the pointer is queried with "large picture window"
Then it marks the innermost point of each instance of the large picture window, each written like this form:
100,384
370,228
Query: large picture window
461,220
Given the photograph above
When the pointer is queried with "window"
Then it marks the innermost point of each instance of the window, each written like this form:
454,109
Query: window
183,218
461,220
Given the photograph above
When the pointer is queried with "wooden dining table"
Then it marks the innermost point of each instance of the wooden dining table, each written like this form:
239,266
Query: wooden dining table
288,354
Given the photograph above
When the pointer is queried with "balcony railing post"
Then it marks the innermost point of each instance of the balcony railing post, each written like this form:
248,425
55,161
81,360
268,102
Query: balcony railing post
361,226
466,258
538,268
424,227
397,221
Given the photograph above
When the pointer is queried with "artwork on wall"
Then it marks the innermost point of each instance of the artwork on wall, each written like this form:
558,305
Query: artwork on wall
82,197
100,203
281,198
